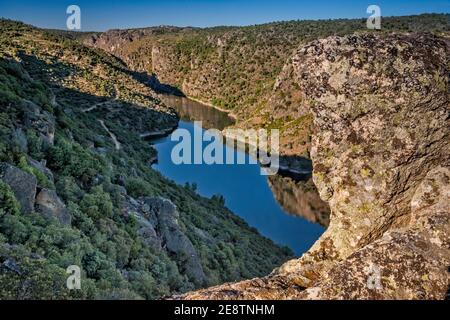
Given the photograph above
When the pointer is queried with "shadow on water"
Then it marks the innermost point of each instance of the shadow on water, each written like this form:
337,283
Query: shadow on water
191,111
285,208
276,206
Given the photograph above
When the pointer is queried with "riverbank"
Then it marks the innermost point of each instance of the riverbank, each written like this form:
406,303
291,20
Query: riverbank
228,112
243,189
295,167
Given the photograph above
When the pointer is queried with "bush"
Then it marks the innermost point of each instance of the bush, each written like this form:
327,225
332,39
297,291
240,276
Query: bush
72,160
8,202
97,204
35,144
138,188
42,179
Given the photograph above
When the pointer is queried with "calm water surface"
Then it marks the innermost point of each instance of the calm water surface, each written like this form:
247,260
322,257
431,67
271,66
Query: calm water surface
246,192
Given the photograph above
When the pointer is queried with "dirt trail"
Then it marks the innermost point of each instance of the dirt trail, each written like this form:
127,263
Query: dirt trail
113,137
95,106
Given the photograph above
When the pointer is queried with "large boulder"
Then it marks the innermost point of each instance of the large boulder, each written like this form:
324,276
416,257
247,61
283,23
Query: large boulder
146,223
159,226
410,262
40,166
381,110
50,205
21,183
174,240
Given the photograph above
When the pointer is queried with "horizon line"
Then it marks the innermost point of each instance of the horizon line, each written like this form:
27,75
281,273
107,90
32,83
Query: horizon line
224,26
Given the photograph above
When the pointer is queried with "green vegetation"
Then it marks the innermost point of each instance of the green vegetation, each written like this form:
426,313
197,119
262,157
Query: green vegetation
8,202
46,83
14,84
42,179
236,68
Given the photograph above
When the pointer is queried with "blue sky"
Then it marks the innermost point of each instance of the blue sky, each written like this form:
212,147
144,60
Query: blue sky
102,15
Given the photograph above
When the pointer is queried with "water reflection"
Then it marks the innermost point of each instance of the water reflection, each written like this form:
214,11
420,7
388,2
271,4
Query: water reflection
190,110
246,192
300,198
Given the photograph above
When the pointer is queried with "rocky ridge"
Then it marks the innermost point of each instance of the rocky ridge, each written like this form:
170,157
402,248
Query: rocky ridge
381,160
158,220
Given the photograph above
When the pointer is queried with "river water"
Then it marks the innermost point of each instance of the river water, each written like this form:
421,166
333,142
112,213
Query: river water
246,191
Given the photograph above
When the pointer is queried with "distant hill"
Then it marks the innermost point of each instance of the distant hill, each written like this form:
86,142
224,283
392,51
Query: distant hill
246,70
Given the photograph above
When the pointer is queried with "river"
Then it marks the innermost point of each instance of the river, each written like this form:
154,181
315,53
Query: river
246,191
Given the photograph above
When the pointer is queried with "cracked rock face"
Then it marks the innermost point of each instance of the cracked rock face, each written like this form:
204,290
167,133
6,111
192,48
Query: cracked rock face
381,160
381,107
406,263
158,219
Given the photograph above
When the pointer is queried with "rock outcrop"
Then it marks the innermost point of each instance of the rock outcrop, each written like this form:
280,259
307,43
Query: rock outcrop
40,120
405,263
22,184
174,239
381,160
40,166
50,205
381,107
159,225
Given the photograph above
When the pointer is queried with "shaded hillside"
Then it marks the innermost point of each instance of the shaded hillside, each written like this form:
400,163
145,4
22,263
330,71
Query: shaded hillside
76,187
246,70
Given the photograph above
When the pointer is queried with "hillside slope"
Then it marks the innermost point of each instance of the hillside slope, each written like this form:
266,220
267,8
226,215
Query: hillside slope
76,187
246,70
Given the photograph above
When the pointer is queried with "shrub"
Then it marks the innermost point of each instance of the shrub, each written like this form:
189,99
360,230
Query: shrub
43,180
72,160
97,204
8,202
138,188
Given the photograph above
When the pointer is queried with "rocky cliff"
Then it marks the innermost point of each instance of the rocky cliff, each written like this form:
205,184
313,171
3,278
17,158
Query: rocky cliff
381,160
245,70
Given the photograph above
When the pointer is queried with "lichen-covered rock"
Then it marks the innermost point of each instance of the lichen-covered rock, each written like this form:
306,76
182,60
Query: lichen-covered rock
381,107
21,183
406,263
381,159
50,205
